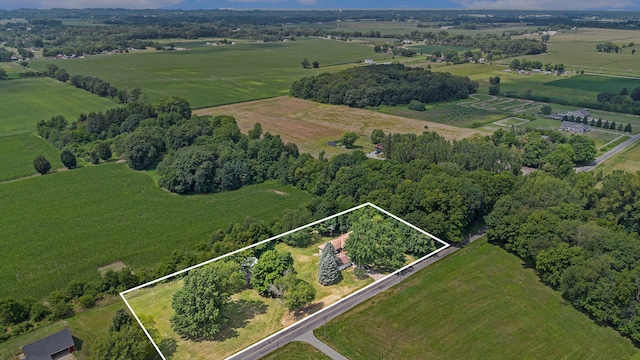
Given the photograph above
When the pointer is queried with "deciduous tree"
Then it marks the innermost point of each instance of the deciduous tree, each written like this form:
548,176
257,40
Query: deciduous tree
68,159
199,305
348,139
271,266
41,164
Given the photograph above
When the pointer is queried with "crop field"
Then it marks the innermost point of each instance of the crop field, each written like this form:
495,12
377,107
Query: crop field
27,101
311,125
216,75
596,84
563,47
385,27
480,303
97,215
18,151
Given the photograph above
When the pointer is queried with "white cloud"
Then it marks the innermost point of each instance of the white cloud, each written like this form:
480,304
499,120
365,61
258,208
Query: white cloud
547,4
83,4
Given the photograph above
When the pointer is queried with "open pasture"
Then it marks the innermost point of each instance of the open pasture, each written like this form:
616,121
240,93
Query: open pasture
27,101
216,75
576,49
311,125
479,303
17,153
62,227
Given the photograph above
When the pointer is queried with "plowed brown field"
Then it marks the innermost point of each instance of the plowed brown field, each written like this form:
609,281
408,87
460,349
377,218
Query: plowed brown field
311,125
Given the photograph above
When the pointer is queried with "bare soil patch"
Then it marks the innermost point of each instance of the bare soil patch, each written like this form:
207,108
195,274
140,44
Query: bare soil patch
310,125
279,192
116,266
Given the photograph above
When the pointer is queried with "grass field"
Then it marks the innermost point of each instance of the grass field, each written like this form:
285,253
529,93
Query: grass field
627,160
18,151
297,350
481,303
61,227
27,101
447,113
216,75
311,125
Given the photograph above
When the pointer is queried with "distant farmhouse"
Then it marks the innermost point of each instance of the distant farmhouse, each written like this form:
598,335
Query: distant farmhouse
576,128
581,113
54,347
338,243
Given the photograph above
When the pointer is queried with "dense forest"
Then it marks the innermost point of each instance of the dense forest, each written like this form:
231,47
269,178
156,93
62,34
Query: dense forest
376,85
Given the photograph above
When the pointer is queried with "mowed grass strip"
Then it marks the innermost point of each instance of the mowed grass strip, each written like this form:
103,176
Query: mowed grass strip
17,153
27,101
61,227
479,303
297,350
216,75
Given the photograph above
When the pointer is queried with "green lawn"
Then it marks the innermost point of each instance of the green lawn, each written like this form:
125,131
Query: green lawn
481,303
296,350
27,101
17,153
214,75
61,227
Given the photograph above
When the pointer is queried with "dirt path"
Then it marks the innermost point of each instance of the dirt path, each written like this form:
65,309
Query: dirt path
34,175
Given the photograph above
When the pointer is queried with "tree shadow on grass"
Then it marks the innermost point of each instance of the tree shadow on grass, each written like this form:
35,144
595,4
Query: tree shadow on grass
307,310
239,313
168,347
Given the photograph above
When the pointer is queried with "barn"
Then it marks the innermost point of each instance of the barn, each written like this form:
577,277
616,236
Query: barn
53,347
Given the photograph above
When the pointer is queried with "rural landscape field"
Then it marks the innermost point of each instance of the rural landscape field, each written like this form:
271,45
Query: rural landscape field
137,144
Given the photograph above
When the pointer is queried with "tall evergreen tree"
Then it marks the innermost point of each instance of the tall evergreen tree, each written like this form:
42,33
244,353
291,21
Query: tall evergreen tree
328,272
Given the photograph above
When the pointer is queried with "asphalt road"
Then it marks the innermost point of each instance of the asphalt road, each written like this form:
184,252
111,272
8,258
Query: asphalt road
314,321
609,154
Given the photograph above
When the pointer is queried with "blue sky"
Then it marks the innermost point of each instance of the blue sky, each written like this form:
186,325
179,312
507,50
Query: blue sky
328,4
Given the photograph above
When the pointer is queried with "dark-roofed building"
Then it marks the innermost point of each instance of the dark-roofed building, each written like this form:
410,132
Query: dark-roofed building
53,347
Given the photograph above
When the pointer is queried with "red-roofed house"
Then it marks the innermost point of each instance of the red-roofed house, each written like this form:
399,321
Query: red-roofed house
338,243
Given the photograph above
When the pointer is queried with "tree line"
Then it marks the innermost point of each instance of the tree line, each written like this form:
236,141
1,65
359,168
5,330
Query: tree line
376,85
581,238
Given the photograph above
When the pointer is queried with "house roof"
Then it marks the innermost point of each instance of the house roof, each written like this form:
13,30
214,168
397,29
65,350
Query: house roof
343,259
45,347
569,125
338,243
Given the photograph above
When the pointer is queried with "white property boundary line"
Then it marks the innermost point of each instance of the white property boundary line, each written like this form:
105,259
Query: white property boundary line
122,294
